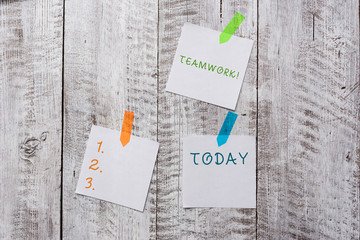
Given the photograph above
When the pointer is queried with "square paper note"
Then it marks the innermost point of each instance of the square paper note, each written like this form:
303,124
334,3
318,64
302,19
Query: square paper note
206,70
222,176
115,173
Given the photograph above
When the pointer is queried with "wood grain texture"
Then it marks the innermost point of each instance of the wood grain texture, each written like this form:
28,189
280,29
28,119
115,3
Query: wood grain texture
300,96
309,125
30,104
110,66
181,116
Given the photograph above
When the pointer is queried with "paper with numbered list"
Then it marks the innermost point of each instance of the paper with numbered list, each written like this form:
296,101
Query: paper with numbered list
115,173
206,70
222,176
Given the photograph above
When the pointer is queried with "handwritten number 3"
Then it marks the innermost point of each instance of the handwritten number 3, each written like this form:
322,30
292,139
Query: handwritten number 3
91,166
89,179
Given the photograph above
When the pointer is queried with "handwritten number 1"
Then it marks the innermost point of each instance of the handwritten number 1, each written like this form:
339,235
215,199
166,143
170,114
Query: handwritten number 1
99,146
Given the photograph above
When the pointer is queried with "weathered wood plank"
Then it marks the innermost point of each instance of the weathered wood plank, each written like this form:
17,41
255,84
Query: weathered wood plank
110,67
309,126
30,119
181,116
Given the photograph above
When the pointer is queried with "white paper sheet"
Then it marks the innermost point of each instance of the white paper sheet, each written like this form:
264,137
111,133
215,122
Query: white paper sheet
228,183
122,174
196,81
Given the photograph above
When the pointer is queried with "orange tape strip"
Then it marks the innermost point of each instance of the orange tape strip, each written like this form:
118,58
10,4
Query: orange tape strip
126,127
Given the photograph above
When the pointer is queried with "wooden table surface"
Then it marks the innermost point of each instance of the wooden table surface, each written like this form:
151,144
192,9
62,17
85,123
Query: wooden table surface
66,65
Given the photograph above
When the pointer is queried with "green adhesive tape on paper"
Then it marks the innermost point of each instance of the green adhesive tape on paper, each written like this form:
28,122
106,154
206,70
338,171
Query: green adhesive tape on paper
231,28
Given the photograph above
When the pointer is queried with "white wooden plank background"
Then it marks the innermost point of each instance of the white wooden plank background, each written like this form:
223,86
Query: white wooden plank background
65,65
30,104
181,116
110,66
308,120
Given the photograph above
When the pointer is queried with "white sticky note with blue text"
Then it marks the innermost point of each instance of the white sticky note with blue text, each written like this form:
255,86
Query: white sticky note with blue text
206,70
222,176
115,173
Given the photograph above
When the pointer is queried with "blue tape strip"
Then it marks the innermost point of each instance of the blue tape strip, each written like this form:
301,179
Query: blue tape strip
226,128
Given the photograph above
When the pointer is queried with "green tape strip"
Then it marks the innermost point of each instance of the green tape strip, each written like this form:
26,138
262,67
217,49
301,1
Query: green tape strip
231,28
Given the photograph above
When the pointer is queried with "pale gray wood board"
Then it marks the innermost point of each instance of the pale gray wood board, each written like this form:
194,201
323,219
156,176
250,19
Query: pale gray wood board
30,106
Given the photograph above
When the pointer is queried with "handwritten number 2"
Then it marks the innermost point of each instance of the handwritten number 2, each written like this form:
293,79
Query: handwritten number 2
89,179
91,166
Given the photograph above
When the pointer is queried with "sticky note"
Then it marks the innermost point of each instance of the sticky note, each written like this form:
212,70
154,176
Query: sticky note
115,173
222,176
208,71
